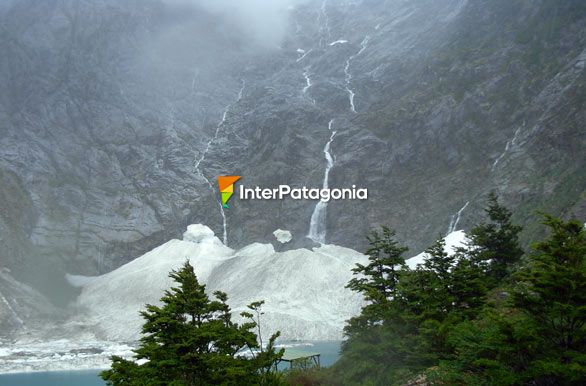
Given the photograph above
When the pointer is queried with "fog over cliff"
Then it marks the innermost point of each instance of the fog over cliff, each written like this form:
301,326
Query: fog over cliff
116,118
263,21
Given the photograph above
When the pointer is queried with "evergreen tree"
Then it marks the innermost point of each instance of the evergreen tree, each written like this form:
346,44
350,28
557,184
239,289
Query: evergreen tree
378,348
469,286
191,340
538,337
428,289
552,293
411,314
496,244
429,299
442,291
378,280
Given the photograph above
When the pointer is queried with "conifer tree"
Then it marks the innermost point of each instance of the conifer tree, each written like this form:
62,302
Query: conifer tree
538,337
377,281
469,287
428,301
443,290
377,349
434,273
552,293
496,243
191,340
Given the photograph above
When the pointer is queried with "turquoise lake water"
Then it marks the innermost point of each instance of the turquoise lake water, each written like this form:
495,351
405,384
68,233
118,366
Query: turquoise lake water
53,378
330,351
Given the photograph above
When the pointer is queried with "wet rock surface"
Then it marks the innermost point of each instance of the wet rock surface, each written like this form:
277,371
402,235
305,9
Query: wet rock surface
106,106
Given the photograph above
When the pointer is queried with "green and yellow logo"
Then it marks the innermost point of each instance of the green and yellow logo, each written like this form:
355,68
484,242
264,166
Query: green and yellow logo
226,185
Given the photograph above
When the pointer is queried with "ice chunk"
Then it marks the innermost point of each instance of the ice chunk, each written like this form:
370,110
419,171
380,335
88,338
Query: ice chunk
283,236
196,233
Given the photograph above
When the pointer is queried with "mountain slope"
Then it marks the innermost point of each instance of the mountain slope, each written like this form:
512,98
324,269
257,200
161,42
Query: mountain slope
116,117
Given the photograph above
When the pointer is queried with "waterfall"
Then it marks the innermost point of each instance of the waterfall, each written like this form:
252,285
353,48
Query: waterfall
308,83
508,145
205,152
348,75
456,219
317,224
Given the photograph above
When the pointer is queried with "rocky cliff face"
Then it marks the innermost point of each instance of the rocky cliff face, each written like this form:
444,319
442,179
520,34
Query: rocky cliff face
114,118
104,111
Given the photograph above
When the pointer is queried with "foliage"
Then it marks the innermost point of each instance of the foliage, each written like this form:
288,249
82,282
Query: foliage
484,315
496,243
191,340
538,336
552,293
378,280
412,316
378,344
308,377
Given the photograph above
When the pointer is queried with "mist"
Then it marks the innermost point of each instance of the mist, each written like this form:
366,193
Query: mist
264,22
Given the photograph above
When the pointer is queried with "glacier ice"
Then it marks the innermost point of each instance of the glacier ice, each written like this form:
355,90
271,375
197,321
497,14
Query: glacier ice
60,355
283,236
109,304
303,289
304,293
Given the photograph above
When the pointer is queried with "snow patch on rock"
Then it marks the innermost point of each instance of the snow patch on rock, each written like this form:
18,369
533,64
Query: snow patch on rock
454,240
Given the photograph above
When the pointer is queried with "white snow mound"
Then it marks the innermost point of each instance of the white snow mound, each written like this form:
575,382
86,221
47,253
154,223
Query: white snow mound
303,290
454,240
